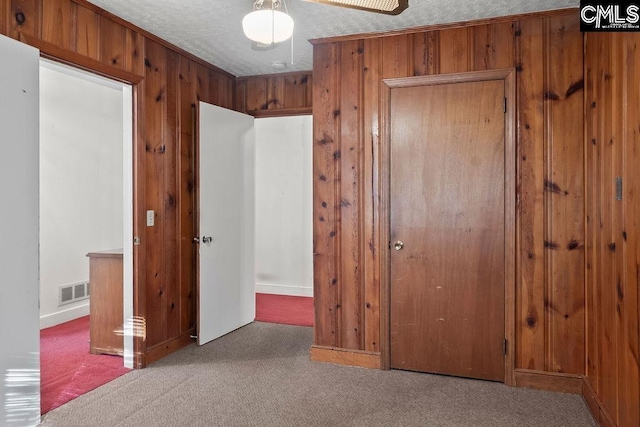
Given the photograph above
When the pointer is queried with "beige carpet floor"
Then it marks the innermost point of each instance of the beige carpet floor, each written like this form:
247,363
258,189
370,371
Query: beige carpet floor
261,375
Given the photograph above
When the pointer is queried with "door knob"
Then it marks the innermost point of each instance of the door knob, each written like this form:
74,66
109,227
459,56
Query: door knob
398,245
206,239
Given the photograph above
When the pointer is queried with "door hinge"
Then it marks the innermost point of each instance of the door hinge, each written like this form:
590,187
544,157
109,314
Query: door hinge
136,241
504,346
505,106
619,188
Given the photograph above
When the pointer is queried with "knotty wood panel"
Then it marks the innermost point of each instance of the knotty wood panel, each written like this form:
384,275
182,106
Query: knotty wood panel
426,53
169,82
88,35
5,7
456,51
564,195
326,199
276,94
155,101
629,297
24,16
546,52
492,46
170,199
370,190
611,140
349,154
530,311
186,185
58,22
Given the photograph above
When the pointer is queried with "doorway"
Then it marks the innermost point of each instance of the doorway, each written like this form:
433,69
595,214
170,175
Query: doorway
85,208
451,201
284,220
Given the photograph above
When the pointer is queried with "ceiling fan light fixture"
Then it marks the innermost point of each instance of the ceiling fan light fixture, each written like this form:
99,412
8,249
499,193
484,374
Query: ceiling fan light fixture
267,24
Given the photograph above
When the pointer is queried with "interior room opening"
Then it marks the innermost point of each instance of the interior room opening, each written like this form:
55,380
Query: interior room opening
85,208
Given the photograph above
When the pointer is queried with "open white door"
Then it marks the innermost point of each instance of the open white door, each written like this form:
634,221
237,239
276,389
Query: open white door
226,297
19,312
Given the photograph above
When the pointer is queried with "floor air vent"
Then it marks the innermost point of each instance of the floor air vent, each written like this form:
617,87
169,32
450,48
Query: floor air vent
72,293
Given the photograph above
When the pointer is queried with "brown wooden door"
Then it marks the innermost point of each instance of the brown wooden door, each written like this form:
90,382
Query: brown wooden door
447,191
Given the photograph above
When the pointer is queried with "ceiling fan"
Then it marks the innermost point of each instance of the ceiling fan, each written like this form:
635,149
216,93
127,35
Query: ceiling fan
388,7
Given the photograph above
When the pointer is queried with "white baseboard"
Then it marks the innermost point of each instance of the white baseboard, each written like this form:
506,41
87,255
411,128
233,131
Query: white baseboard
62,316
270,288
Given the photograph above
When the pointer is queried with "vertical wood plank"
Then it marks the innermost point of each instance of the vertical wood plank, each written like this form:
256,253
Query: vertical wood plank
155,100
25,17
112,43
600,214
134,52
397,56
5,16
607,295
564,194
592,57
87,37
372,69
241,95
349,154
454,50
295,91
426,53
275,93
613,126
629,390
214,88
171,200
186,182
530,292
202,83
257,95
492,46
225,92
325,185
58,22
618,121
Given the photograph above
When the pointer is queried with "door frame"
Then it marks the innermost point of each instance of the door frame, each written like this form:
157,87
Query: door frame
57,54
510,205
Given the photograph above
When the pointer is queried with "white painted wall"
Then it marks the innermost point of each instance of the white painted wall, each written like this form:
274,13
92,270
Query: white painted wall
81,181
284,187
19,337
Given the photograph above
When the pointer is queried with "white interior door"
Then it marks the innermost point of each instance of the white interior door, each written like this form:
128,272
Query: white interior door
226,297
19,311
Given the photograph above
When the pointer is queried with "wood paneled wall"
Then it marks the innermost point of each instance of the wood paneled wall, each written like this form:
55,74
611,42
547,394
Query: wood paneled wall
273,95
171,83
547,53
612,143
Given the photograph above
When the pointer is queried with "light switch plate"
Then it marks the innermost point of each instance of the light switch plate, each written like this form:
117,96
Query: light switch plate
150,218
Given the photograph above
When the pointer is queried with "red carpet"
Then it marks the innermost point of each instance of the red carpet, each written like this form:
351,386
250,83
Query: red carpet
284,309
67,369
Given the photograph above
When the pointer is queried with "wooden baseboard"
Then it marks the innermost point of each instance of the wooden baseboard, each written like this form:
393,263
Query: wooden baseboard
597,408
341,356
165,348
550,381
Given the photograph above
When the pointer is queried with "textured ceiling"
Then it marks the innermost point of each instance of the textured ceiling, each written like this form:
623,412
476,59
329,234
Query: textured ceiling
212,29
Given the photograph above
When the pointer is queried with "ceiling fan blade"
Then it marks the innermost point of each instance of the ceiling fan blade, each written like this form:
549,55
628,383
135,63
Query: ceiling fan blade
389,7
